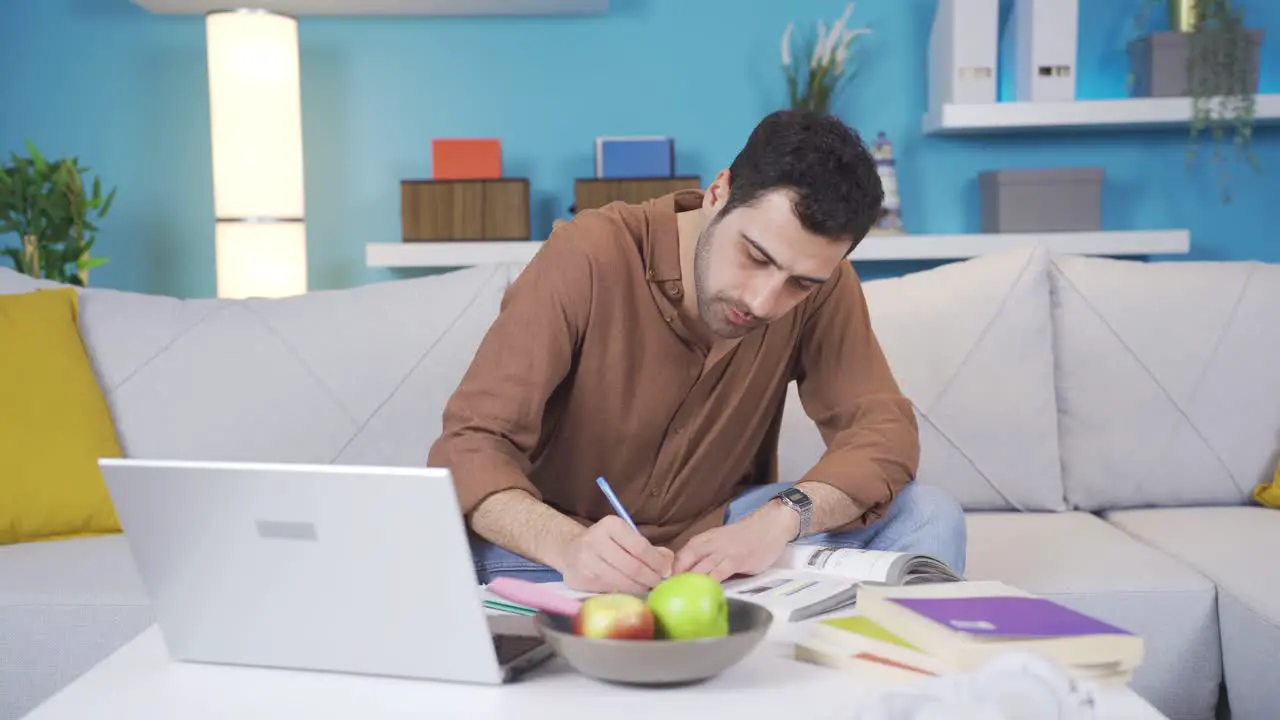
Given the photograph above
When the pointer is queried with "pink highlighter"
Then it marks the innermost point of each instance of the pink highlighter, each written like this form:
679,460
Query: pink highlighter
535,595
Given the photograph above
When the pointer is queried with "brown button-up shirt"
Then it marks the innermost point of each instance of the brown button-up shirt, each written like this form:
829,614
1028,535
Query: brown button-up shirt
588,371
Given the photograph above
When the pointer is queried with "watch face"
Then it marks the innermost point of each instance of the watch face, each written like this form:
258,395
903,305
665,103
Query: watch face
796,496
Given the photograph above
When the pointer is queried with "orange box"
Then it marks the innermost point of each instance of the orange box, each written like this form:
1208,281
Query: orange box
466,159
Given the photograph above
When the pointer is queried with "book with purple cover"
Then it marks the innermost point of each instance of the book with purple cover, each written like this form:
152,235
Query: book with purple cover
1007,616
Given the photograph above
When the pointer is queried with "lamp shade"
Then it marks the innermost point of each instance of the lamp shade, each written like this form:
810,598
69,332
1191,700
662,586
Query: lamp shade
255,109
261,259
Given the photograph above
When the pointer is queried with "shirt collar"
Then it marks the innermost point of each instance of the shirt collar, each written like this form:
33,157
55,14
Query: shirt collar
662,246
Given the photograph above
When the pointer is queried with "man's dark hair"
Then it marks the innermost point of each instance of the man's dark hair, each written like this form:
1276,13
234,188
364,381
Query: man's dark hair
820,159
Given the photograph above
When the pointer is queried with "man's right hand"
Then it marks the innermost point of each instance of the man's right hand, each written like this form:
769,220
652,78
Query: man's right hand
611,557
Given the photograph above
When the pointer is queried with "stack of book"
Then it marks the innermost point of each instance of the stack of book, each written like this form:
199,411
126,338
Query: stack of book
908,633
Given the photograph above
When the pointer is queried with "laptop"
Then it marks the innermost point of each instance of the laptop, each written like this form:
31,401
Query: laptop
363,570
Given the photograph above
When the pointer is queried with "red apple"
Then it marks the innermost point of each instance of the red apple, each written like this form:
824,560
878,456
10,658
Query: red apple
615,616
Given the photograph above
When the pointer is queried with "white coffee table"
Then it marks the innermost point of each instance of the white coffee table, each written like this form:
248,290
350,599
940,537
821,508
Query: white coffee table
141,682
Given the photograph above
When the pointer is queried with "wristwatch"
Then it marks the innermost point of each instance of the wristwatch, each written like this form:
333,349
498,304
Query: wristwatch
799,501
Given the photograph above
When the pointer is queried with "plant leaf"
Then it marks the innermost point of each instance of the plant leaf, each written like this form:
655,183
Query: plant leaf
106,206
42,168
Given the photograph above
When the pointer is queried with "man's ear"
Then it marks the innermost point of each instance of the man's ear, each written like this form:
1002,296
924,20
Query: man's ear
717,192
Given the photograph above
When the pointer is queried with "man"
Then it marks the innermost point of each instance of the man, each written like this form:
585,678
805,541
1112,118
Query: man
652,345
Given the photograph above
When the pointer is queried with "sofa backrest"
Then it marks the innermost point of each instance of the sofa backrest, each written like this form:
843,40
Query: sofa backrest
1040,383
361,375
355,376
1168,380
971,345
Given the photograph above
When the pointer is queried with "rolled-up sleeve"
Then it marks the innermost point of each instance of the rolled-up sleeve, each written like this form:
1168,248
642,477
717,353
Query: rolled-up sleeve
493,420
848,390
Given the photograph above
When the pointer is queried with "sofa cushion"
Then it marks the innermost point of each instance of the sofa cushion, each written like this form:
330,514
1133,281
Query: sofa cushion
54,423
354,376
65,605
1234,547
1167,380
970,346
79,571
1093,567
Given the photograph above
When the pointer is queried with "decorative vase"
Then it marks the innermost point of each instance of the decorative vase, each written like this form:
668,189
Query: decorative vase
1182,15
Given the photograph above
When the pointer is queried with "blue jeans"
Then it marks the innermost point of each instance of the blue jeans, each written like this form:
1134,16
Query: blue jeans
922,518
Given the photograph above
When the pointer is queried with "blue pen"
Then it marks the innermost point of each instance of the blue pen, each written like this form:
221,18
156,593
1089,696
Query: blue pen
613,500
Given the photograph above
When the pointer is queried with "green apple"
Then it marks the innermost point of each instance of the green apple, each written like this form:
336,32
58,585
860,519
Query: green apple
689,606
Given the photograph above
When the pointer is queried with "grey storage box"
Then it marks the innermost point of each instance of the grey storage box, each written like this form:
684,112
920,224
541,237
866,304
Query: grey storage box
1041,200
1158,62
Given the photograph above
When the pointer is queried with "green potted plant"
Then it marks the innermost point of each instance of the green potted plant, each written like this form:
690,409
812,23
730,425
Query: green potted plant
1210,55
47,207
817,71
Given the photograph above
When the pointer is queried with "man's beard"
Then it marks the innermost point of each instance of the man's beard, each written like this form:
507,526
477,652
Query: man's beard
710,308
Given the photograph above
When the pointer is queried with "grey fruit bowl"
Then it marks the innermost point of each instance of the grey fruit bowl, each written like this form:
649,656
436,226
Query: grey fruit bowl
659,661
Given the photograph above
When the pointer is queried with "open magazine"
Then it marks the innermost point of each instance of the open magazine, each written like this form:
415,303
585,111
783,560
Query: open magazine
811,580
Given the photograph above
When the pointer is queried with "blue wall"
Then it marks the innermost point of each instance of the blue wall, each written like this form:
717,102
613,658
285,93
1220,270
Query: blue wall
126,91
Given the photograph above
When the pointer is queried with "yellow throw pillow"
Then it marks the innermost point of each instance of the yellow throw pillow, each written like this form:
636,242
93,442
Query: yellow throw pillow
1268,493
54,423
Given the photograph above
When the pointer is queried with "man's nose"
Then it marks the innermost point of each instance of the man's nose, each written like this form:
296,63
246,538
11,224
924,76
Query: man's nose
765,299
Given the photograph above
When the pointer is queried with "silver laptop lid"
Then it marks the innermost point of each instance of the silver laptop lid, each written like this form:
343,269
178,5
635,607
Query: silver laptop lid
320,567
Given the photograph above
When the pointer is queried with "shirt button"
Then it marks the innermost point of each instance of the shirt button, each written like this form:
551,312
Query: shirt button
667,318
679,430
674,289
654,492
649,273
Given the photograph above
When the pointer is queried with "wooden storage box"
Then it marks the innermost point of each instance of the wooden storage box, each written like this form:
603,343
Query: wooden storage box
589,193
450,210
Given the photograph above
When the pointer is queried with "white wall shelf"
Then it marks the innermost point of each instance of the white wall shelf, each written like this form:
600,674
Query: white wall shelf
958,247
447,254
876,248
1132,113
386,7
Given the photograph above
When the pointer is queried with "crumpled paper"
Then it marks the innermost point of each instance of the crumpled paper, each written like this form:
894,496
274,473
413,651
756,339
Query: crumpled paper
1010,686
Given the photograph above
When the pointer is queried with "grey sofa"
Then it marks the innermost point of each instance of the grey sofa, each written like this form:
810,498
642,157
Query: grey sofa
1102,421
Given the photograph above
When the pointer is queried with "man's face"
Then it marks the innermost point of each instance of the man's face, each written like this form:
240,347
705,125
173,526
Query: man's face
756,263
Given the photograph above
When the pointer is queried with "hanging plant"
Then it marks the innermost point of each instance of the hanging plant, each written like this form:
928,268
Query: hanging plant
817,70
1221,75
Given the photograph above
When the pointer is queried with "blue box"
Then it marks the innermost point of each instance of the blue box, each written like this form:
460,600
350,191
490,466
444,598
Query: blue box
638,156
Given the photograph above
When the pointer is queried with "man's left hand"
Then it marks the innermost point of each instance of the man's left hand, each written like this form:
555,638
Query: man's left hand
746,547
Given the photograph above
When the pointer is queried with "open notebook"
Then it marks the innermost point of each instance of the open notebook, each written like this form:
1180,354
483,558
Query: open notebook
809,580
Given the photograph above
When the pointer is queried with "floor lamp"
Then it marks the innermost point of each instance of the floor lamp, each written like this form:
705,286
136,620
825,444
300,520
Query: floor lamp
255,105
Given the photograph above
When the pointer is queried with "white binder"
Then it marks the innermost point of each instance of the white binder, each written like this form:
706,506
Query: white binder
1044,49
964,46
